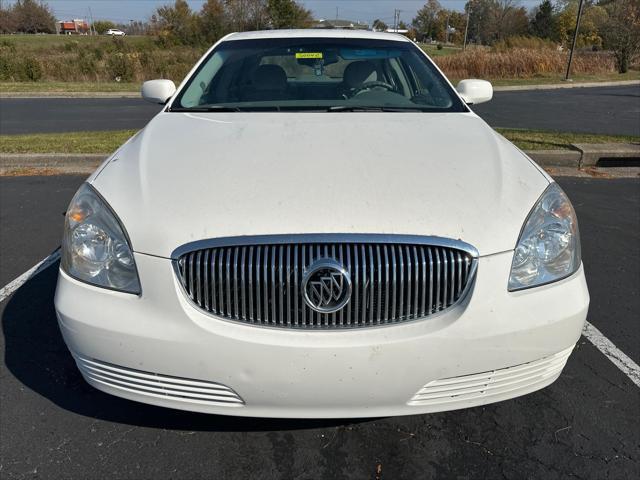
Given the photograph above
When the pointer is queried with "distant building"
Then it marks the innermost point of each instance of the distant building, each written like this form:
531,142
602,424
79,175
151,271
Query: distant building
77,26
344,24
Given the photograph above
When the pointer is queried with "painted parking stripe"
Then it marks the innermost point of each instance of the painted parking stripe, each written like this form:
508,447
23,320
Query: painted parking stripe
15,284
602,343
613,353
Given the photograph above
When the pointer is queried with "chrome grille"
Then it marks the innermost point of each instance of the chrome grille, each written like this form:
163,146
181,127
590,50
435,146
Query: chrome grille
260,282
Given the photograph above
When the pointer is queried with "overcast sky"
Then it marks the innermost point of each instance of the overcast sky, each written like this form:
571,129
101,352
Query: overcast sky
361,10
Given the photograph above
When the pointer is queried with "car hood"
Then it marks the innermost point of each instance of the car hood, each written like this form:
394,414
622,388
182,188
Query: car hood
189,177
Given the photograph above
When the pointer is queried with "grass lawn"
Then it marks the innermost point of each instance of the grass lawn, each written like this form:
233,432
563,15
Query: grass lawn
432,49
108,141
75,142
546,80
67,87
35,43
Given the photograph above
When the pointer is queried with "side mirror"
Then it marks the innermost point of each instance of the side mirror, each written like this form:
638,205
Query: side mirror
158,91
475,91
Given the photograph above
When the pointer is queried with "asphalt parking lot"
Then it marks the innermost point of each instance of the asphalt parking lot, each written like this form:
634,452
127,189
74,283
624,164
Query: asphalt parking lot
605,110
54,425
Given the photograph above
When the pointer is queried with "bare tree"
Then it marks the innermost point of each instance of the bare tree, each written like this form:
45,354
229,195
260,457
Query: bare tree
247,14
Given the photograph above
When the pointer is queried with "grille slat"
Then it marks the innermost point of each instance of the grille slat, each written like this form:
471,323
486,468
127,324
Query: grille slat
261,284
378,285
416,286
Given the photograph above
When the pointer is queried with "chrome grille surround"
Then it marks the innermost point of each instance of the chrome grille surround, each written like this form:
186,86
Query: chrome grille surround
257,280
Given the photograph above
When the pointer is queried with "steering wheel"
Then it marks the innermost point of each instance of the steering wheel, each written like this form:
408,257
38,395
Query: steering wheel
373,84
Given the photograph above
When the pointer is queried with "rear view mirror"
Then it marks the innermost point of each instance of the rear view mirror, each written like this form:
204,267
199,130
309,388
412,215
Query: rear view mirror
158,91
475,91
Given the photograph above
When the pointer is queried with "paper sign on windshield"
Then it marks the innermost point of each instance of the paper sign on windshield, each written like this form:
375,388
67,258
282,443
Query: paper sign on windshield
309,55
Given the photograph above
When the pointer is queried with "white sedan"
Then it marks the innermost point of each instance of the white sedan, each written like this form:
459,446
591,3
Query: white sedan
114,32
317,225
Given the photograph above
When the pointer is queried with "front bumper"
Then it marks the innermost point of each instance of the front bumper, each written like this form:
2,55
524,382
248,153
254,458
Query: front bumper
158,348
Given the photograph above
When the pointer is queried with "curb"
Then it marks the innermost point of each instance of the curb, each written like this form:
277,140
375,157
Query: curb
136,94
557,86
53,162
583,155
555,158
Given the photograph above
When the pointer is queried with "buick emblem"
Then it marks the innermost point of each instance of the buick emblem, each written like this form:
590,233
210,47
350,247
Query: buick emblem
326,286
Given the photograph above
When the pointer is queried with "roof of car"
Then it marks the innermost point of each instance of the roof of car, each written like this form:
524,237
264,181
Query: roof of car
317,33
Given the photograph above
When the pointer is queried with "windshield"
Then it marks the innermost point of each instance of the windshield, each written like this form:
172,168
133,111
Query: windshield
326,74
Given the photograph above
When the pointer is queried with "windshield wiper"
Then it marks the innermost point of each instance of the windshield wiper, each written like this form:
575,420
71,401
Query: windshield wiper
210,108
355,108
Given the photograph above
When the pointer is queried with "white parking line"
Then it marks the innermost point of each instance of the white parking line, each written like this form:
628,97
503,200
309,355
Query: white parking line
602,343
613,353
13,285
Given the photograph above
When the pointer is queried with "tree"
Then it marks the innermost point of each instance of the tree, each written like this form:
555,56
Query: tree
178,23
424,21
213,21
481,20
543,23
32,17
456,22
7,20
492,20
244,15
593,16
621,31
287,14
379,25
101,26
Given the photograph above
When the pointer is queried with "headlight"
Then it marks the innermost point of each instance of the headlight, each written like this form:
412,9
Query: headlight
95,247
549,245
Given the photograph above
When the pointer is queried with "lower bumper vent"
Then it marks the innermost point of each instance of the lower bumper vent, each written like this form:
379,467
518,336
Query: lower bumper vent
156,385
495,382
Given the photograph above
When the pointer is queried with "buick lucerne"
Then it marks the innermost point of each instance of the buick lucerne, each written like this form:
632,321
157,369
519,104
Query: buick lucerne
318,225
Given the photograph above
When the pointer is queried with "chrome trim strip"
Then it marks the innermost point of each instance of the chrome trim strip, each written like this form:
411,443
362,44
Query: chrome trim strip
433,241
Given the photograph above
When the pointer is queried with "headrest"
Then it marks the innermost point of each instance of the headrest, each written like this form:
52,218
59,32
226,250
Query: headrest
270,77
358,73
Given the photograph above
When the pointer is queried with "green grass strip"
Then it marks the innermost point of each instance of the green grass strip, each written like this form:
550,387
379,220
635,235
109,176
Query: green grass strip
543,140
108,141
75,142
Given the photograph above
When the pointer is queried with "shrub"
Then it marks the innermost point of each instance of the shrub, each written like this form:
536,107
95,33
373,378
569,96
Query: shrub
7,67
120,66
30,69
72,46
439,47
98,53
86,64
7,46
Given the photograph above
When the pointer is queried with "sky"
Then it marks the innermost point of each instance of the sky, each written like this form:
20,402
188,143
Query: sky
122,11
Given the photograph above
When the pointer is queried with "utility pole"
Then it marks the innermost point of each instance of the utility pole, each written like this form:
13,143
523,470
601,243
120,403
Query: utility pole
575,38
466,30
92,29
396,20
446,31
337,12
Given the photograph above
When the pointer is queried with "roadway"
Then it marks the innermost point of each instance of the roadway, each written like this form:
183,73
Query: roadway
54,425
607,110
